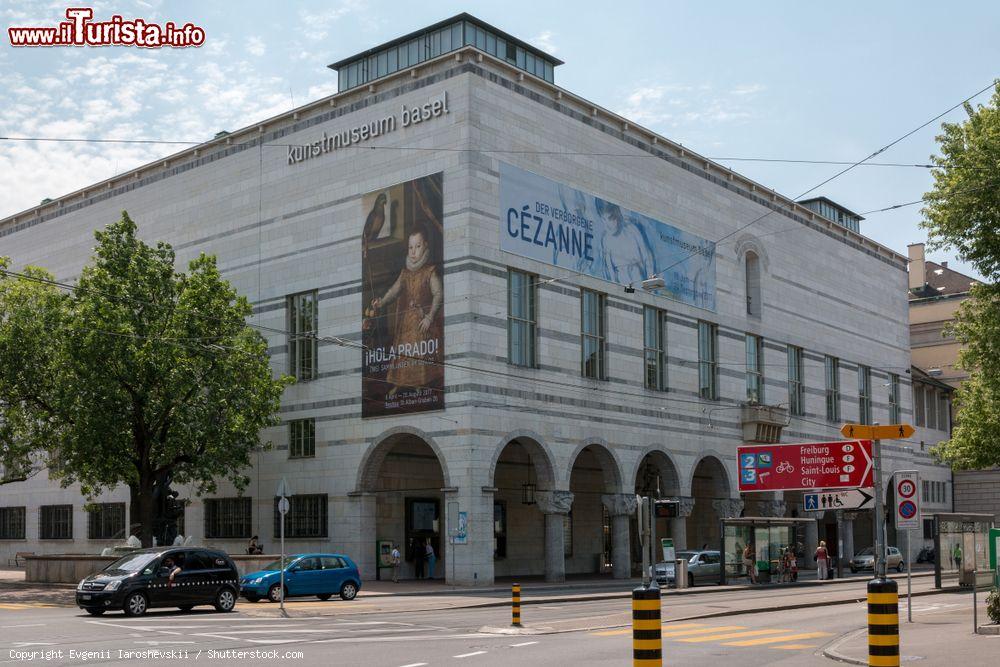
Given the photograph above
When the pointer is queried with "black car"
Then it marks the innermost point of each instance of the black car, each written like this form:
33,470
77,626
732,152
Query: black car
142,579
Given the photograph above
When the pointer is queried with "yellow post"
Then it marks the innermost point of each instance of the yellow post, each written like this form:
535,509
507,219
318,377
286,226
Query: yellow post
515,605
883,623
647,642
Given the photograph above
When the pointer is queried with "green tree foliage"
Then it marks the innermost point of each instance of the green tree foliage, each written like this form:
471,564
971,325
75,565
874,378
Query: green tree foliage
139,372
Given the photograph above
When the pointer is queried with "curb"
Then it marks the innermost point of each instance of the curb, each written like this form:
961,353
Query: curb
831,650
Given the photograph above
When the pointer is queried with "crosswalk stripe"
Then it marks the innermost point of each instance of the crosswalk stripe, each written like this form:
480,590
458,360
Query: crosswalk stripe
731,635
774,640
681,633
628,631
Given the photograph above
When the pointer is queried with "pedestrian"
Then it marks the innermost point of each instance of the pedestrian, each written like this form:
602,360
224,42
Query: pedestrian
822,561
795,565
749,563
394,557
418,559
957,555
431,558
254,546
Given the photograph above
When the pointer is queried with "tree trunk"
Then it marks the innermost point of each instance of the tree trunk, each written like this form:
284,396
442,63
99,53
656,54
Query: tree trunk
146,510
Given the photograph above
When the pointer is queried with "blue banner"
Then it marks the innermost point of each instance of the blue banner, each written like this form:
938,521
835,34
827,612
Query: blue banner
562,226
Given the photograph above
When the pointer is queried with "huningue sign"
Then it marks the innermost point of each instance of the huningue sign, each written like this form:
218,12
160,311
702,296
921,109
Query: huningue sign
818,465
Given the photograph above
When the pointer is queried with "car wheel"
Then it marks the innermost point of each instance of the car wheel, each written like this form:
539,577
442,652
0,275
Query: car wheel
95,612
186,607
274,593
324,597
253,598
348,591
690,580
225,600
136,604
899,568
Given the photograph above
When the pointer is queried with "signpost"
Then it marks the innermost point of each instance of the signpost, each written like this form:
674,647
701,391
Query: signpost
907,518
283,491
876,432
846,499
808,466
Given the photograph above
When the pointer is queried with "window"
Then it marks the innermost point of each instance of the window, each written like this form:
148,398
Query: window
654,325
925,490
832,369
302,438
930,397
864,395
106,521
593,334
918,404
302,327
499,529
944,412
755,369
928,529
228,518
306,516
753,284
55,522
893,398
796,390
331,563
12,523
708,360
522,318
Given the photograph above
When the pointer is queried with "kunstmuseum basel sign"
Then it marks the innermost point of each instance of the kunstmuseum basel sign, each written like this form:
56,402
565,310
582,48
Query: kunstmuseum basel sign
359,134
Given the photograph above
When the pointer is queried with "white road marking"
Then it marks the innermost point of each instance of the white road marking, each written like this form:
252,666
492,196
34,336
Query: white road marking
23,644
415,664
524,644
166,641
26,625
468,655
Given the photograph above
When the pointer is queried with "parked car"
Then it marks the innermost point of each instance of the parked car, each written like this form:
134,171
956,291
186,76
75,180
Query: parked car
322,575
703,566
865,560
141,580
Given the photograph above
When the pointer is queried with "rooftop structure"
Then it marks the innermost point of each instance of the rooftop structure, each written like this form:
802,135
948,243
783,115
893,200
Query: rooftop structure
831,210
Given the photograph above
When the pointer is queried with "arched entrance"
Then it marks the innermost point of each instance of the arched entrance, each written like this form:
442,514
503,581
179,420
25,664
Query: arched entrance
402,479
657,477
710,490
594,481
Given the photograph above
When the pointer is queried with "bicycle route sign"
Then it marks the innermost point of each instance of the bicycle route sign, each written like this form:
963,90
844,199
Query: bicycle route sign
846,464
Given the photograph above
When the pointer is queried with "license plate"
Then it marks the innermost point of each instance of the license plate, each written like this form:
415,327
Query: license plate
86,597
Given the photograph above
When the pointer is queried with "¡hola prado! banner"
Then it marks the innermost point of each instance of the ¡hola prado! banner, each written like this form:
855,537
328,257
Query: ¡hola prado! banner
553,223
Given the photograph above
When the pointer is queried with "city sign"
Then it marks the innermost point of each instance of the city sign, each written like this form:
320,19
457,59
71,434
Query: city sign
907,499
881,432
818,465
848,499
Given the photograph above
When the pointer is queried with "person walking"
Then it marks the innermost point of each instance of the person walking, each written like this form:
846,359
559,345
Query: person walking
957,555
749,563
822,561
394,558
431,558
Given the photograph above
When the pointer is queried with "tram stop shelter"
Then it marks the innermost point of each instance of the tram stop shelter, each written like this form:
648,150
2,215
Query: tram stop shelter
769,537
961,547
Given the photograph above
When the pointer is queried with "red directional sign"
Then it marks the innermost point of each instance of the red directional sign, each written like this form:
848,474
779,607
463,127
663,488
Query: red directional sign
816,465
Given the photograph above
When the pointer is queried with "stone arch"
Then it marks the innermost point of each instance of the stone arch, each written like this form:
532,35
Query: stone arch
381,446
608,461
726,489
541,457
713,500
668,468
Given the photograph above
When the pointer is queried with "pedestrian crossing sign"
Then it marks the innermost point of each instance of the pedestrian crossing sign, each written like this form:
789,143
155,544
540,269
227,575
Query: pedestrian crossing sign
811,501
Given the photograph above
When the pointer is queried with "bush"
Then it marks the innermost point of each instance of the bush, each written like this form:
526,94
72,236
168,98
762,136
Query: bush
993,605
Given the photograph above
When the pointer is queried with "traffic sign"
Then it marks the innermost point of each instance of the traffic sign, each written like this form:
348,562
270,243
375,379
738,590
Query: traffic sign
907,499
880,432
848,499
283,490
283,505
807,466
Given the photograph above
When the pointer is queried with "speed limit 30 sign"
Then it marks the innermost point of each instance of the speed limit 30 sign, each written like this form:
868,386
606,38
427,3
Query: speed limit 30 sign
907,482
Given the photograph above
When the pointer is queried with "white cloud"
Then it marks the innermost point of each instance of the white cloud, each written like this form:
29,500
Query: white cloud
256,46
684,107
543,40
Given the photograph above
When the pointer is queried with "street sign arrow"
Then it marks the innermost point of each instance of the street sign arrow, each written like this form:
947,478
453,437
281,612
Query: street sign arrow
846,499
881,432
807,466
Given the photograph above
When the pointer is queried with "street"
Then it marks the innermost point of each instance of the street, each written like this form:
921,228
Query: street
791,626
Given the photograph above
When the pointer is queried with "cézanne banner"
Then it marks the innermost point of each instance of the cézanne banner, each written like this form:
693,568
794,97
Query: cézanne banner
562,226
402,330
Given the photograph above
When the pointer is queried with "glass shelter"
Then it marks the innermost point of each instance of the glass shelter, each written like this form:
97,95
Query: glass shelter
961,546
769,537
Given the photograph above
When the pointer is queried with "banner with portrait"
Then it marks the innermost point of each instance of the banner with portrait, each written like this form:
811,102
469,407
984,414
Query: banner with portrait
402,296
562,226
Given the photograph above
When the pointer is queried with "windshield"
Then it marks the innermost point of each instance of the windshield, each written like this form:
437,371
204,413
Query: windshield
866,552
276,564
131,563
686,555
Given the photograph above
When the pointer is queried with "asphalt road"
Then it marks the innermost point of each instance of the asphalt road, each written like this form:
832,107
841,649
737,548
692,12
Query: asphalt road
338,633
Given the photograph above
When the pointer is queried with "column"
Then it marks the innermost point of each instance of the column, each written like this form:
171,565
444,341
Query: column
812,539
678,525
728,508
847,531
360,534
468,535
620,507
555,505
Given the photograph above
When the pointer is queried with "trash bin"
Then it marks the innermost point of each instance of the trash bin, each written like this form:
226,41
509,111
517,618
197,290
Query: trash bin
680,573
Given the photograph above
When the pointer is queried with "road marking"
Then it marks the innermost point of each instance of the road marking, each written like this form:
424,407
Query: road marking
23,644
165,641
25,625
702,631
468,655
730,635
415,664
775,640
628,631
524,644
793,647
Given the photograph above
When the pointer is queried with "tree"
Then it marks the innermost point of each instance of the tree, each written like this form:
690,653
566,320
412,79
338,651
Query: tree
138,374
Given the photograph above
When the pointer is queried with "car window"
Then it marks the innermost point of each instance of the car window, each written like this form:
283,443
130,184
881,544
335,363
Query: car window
193,561
307,564
711,558
332,563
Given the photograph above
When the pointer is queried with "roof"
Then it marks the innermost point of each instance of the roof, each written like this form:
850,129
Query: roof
920,375
464,16
831,203
939,280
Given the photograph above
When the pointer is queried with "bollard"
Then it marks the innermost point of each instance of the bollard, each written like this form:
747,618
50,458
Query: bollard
883,623
515,605
647,642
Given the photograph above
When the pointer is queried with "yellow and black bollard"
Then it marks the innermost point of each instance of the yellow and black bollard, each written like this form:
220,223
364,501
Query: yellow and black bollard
515,605
647,642
883,623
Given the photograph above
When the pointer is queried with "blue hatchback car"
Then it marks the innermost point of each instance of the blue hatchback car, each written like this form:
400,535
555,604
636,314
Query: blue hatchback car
322,575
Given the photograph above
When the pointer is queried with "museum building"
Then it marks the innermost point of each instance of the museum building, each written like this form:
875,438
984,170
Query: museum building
452,255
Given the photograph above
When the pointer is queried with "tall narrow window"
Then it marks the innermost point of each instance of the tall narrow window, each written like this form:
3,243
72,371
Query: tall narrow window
931,401
654,322
893,398
864,395
593,334
832,369
918,404
944,412
755,369
302,438
796,389
753,284
708,360
522,320
302,327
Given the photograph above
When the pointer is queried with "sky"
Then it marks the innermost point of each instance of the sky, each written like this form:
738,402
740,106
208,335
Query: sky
776,79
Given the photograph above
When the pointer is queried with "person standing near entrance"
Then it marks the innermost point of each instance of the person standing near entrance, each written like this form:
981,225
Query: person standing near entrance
822,561
394,558
957,555
431,558
749,562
